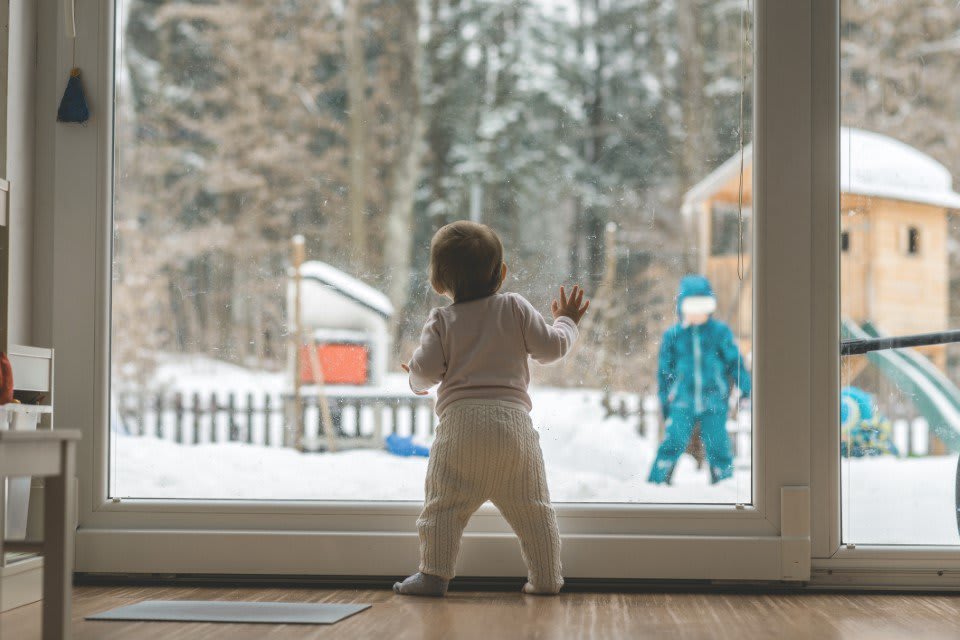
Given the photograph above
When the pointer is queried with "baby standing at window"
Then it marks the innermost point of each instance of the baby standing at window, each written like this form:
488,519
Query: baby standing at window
486,448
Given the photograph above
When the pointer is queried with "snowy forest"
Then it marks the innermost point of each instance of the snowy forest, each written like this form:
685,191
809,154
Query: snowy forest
364,125
367,125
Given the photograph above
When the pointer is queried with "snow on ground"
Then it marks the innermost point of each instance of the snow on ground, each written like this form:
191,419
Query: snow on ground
899,501
589,459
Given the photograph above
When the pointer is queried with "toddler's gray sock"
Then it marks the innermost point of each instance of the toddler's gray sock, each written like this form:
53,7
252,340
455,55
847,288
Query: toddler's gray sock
422,584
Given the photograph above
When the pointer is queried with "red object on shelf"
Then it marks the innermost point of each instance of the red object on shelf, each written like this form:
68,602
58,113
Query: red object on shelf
6,379
340,363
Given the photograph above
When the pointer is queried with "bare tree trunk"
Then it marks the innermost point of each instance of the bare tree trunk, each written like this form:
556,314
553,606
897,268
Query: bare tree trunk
591,216
406,168
577,227
356,87
695,118
445,19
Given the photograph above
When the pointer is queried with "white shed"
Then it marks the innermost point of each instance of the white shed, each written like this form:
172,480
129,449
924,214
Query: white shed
339,311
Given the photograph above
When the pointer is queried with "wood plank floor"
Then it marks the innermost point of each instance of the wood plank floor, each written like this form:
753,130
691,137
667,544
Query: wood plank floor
494,615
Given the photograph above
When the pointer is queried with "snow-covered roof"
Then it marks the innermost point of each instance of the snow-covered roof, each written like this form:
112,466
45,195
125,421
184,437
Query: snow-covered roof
881,167
347,286
872,164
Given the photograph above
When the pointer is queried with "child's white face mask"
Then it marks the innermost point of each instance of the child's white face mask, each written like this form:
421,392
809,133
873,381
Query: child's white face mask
697,309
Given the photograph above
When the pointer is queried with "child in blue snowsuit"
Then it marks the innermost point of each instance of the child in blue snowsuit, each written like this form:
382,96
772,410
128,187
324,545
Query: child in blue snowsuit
863,430
699,363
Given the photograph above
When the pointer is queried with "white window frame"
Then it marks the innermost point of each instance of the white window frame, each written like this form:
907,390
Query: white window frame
795,355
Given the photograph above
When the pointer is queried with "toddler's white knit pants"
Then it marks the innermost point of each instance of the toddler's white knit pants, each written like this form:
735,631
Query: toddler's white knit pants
489,450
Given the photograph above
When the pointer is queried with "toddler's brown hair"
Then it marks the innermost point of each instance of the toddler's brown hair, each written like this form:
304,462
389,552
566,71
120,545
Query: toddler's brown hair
466,259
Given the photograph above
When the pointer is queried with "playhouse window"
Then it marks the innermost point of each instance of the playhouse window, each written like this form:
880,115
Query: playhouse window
726,230
913,241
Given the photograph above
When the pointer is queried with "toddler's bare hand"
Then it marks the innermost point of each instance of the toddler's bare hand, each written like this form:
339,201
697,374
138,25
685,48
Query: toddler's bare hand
573,307
403,365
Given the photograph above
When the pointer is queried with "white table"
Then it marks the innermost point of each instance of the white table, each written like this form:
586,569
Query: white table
50,454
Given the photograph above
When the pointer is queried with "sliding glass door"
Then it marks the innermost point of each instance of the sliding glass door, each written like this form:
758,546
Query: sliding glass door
242,268
900,407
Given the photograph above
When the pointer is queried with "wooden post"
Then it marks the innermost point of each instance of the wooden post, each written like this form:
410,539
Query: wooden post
378,423
266,420
233,430
141,413
214,409
178,417
196,417
316,371
159,409
249,418
298,253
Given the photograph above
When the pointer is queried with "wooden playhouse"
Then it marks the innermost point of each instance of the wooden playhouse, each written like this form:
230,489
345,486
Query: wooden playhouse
894,203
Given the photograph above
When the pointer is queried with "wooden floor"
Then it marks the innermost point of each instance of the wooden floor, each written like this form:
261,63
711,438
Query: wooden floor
495,615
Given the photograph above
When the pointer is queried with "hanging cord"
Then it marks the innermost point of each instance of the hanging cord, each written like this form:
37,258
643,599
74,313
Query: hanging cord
744,45
70,16
741,270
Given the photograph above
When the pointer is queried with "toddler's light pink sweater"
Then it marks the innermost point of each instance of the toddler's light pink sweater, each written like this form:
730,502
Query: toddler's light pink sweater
479,349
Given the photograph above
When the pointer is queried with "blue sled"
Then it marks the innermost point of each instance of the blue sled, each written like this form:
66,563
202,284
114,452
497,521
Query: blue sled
404,446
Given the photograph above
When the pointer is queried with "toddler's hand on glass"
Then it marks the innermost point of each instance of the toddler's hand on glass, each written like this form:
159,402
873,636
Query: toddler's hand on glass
573,307
403,365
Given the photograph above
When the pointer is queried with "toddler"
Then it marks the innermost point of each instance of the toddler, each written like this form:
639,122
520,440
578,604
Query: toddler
486,447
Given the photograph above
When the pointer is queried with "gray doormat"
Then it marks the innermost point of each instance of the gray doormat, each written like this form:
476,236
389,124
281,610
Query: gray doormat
228,611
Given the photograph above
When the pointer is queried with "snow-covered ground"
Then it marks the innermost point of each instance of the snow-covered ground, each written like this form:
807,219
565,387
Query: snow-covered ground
888,500
588,458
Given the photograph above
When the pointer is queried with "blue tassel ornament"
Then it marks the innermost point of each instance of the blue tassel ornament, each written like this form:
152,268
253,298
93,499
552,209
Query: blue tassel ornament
73,105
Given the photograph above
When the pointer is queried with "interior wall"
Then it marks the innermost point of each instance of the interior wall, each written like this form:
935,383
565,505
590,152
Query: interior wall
20,153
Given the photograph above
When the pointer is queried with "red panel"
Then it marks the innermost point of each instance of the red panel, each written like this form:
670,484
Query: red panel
340,364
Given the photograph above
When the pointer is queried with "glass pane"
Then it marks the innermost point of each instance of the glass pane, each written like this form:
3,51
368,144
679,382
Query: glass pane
900,269
603,141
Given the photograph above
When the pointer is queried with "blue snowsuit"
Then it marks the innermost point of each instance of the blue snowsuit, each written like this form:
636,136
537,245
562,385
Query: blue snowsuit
698,366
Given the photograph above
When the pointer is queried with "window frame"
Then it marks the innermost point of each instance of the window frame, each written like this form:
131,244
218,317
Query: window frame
795,348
